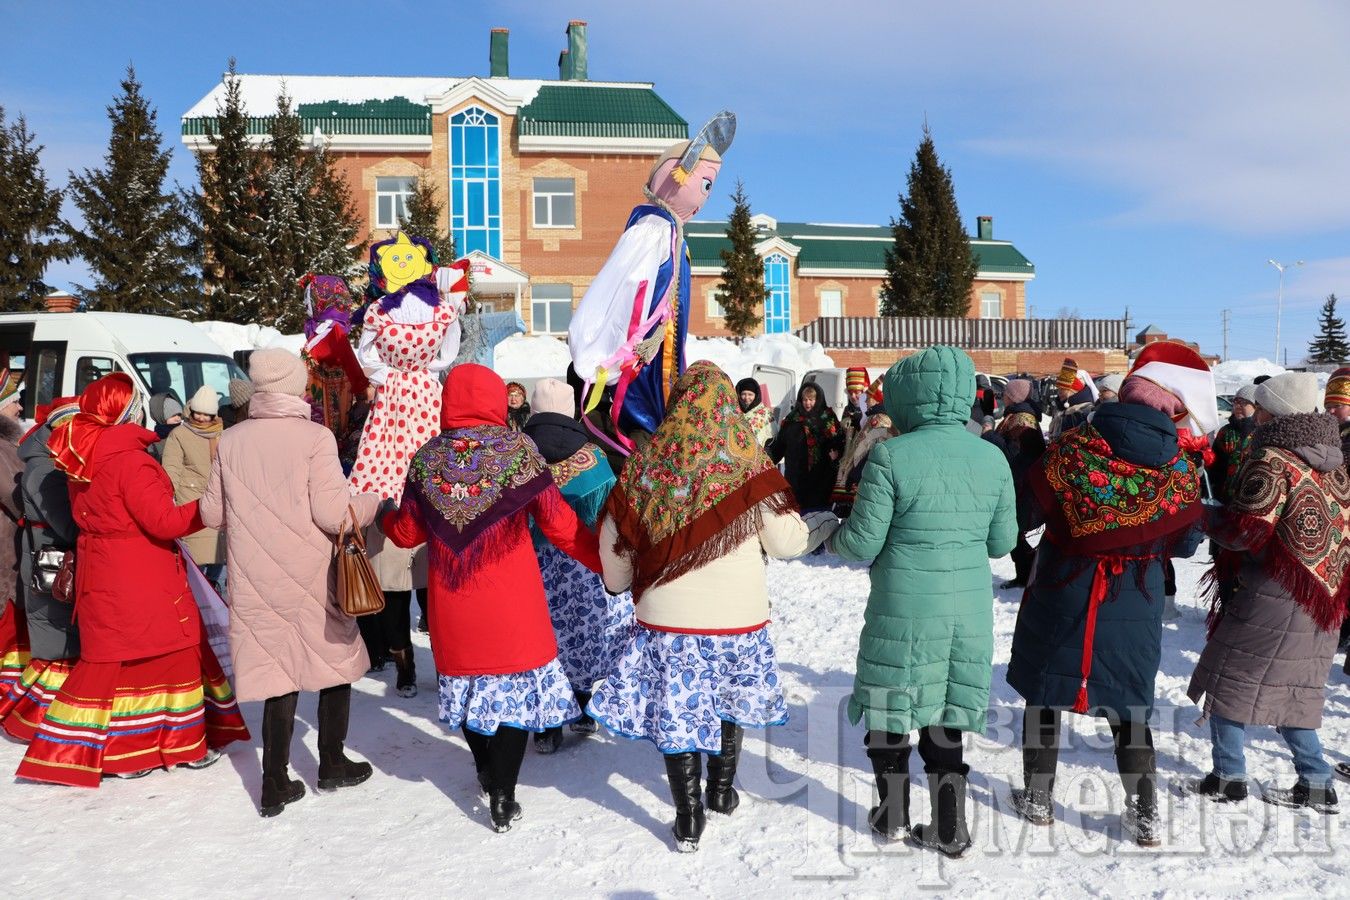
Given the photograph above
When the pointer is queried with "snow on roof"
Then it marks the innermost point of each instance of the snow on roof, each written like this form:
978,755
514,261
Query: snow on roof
259,92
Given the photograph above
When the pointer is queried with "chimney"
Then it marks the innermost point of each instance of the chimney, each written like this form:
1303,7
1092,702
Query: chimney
984,227
498,60
564,66
576,48
61,302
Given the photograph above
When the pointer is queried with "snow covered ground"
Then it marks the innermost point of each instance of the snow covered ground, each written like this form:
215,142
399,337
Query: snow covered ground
597,815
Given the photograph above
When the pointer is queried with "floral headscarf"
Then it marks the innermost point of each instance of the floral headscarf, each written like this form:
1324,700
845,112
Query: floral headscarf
820,426
693,493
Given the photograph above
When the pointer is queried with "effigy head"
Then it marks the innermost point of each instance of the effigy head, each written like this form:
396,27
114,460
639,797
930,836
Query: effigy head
683,177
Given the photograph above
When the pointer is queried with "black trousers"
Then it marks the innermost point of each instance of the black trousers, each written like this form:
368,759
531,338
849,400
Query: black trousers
498,756
1023,556
940,748
1135,758
390,629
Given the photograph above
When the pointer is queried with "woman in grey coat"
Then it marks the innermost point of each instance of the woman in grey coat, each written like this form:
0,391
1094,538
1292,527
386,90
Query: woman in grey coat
1271,640
53,640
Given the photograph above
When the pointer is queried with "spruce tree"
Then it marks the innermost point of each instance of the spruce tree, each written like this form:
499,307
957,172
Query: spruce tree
30,219
136,237
742,293
423,219
929,269
1331,344
309,222
228,212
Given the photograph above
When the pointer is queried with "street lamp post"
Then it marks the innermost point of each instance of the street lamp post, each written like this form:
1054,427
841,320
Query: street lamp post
1279,308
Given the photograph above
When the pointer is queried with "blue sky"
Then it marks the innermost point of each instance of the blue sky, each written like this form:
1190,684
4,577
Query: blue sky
1149,155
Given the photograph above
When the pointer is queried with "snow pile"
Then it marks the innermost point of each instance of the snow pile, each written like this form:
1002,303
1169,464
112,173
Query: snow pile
540,356
531,356
786,351
1231,375
231,337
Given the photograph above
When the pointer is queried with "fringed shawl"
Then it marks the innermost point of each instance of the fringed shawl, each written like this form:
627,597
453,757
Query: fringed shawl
1290,517
585,480
468,479
699,488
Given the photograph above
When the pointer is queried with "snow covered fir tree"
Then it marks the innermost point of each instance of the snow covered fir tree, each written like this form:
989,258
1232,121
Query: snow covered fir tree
1330,346
134,233
742,293
31,235
929,269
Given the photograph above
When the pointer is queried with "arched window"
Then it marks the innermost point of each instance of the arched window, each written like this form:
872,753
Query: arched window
476,182
778,282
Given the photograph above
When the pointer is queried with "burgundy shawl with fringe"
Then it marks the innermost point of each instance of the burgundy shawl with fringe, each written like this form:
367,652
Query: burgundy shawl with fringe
699,488
1291,518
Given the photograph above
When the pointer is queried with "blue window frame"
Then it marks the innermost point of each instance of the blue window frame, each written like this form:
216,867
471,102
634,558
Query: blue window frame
778,282
476,182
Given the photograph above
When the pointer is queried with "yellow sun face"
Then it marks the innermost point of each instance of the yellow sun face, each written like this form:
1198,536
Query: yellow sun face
402,263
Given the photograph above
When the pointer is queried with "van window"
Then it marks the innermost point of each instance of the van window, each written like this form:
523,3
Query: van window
91,368
47,376
183,373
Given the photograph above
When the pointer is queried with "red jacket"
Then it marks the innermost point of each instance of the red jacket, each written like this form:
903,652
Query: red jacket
131,593
496,622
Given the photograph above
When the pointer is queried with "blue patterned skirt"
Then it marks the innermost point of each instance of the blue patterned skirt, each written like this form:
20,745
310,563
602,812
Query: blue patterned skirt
532,701
675,690
592,626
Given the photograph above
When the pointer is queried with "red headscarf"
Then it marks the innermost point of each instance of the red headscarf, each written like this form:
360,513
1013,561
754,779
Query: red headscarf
473,395
112,400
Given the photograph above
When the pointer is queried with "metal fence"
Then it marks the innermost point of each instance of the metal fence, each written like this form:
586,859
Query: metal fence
903,332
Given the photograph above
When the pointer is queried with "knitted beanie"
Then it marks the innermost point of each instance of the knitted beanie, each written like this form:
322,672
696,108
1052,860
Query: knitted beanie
1338,388
1068,376
1146,393
1018,390
1246,393
241,392
277,371
554,396
1288,394
1111,383
206,401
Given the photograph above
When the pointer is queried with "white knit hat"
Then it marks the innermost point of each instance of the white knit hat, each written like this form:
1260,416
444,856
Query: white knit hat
1247,392
206,401
554,396
277,371
1289,394
1110,383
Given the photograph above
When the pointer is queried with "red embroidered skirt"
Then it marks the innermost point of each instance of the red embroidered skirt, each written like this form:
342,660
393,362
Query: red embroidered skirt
118,718
13,648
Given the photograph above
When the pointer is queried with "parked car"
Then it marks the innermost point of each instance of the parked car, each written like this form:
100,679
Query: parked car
63,353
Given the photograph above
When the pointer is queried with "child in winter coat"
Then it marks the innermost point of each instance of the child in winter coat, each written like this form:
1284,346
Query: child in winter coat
591,624
470,495
189,451
1273,635
696,511
1020,438
934,505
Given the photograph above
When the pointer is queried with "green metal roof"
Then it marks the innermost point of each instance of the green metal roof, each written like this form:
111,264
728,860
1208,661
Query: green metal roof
858,247
398,115
582,110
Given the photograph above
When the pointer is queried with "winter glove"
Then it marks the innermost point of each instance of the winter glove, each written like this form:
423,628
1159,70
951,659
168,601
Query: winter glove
822,525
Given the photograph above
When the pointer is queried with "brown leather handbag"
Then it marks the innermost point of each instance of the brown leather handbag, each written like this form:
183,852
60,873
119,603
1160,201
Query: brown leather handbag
358,588
63,583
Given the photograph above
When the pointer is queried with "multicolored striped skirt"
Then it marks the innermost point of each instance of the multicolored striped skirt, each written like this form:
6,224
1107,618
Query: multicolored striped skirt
13,647
25,702
124,717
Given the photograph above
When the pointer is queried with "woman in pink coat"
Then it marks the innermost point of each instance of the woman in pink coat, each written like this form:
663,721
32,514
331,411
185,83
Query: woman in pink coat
277,490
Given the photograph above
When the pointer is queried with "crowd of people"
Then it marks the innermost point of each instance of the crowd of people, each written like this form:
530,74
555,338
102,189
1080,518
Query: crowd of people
567,588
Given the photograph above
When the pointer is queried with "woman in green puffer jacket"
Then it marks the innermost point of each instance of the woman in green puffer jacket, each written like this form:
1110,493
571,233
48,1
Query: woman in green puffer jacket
935,503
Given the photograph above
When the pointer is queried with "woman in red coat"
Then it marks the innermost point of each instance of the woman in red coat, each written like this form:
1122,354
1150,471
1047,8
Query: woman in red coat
147,691
470,495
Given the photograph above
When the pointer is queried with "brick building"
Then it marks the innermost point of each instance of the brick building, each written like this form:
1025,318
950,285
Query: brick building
539,177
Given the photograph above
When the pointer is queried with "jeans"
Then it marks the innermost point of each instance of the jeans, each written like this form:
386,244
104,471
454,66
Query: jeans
1230,762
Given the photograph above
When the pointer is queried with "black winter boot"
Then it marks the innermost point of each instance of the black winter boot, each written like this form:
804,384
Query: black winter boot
506,751
721,796
890,817
548,741
584,725
406,683
684,770
278,788
947,833
335,769
1304,796
1220,790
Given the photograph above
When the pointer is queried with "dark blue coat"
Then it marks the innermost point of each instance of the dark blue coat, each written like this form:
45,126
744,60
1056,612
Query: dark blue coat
1047,651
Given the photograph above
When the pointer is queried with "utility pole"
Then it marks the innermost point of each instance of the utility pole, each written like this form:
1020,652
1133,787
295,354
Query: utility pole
1224,314
1279,307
